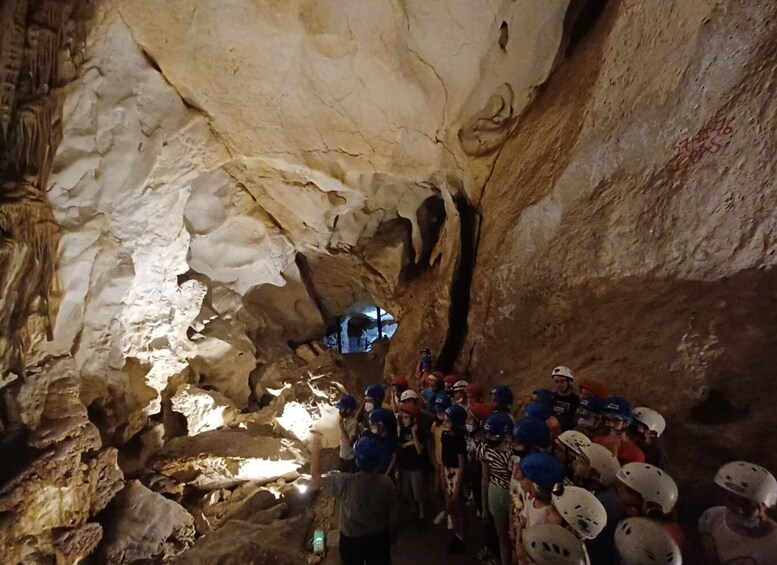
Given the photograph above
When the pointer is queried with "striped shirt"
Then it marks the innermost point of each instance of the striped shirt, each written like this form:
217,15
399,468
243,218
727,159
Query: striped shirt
500,464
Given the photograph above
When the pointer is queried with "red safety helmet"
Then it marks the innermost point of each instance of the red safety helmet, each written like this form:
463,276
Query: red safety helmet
475,389
410,408
400,381
451,379
599,390
480,411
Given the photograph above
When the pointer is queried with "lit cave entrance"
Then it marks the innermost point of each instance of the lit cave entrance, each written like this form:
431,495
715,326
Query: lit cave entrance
357,330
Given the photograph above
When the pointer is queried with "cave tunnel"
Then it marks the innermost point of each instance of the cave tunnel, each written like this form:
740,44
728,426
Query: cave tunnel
229,229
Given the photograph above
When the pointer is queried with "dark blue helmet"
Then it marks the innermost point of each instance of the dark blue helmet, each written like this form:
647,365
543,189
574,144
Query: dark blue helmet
593,404
442,402
383,416
498,424
542,469
457,414
618,406
367,452
544,395
347,402
375,392
532,432
503,395
538,410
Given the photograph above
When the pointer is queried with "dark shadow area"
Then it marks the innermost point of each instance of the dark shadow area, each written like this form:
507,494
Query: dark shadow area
581,18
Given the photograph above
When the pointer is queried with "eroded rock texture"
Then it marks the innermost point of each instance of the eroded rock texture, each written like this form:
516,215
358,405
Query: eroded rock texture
628,227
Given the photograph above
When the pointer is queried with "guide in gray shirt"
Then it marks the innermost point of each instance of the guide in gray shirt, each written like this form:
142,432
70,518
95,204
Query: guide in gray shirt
368,502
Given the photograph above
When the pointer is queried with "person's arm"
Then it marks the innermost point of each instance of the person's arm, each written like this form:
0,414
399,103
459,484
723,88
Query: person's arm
392,464
460,476
486,477
360,411
417,441
351,435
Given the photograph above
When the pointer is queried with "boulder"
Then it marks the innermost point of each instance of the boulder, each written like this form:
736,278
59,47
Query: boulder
227,457
204,410
143,525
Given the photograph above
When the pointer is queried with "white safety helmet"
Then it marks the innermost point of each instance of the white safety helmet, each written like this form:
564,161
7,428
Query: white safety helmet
653,484
641,541
460,385
408,394
549,544
582,511
574,440
748,480
562,371
653,420
602,461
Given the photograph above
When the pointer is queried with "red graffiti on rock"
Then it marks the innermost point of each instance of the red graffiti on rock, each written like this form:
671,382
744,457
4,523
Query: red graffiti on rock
708,139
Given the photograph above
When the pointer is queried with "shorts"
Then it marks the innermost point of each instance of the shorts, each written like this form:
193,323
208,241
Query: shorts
372,550
413,483
499,502
450,480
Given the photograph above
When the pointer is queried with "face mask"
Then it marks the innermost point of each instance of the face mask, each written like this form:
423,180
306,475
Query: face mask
470,427
586,422
369,407
374,429
749,522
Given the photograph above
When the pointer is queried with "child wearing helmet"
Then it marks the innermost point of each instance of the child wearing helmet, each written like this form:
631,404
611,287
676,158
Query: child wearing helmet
501,399
617,417
550,544
646,427
399,385
741,529
496,463
460,393
474,392
383,425
435,389
580,511
565,399
567,447
373,398
369,512
411,459
539,473
529,436
441,404
641,541
544,397
454,458
595,469
588,417
424,367
647,491
349,432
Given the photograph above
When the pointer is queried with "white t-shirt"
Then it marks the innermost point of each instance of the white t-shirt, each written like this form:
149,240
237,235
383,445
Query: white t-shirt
734,549
351,428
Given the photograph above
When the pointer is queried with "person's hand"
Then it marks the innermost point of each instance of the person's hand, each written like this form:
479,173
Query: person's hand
414,429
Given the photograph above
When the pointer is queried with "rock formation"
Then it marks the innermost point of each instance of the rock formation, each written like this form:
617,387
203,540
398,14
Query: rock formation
193,191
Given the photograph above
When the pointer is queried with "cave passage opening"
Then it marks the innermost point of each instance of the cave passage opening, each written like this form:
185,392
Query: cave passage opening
359,328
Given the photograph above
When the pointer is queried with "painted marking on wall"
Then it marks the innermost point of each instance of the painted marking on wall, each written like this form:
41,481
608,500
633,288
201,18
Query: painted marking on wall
709,139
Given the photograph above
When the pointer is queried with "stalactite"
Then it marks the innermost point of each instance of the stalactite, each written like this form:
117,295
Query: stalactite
13,14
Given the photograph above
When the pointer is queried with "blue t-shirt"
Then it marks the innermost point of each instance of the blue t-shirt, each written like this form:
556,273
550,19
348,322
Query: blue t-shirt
388,445
602,548
430,395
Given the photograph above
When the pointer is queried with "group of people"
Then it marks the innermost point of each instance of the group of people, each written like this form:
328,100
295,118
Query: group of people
574,478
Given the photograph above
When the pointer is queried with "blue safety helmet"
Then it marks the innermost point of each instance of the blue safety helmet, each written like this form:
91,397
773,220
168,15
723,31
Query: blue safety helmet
383,416
375,392
619,407
542,469
538,410
457,414
498,424
532,432
367,453
503,395
544,395
347,402
593,404
442,402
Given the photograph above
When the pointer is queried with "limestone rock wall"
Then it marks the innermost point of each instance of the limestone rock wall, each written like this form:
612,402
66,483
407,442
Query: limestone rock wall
235,176
628,228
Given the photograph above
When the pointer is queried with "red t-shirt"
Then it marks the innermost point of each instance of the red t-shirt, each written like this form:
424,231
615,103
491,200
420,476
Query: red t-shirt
628,452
